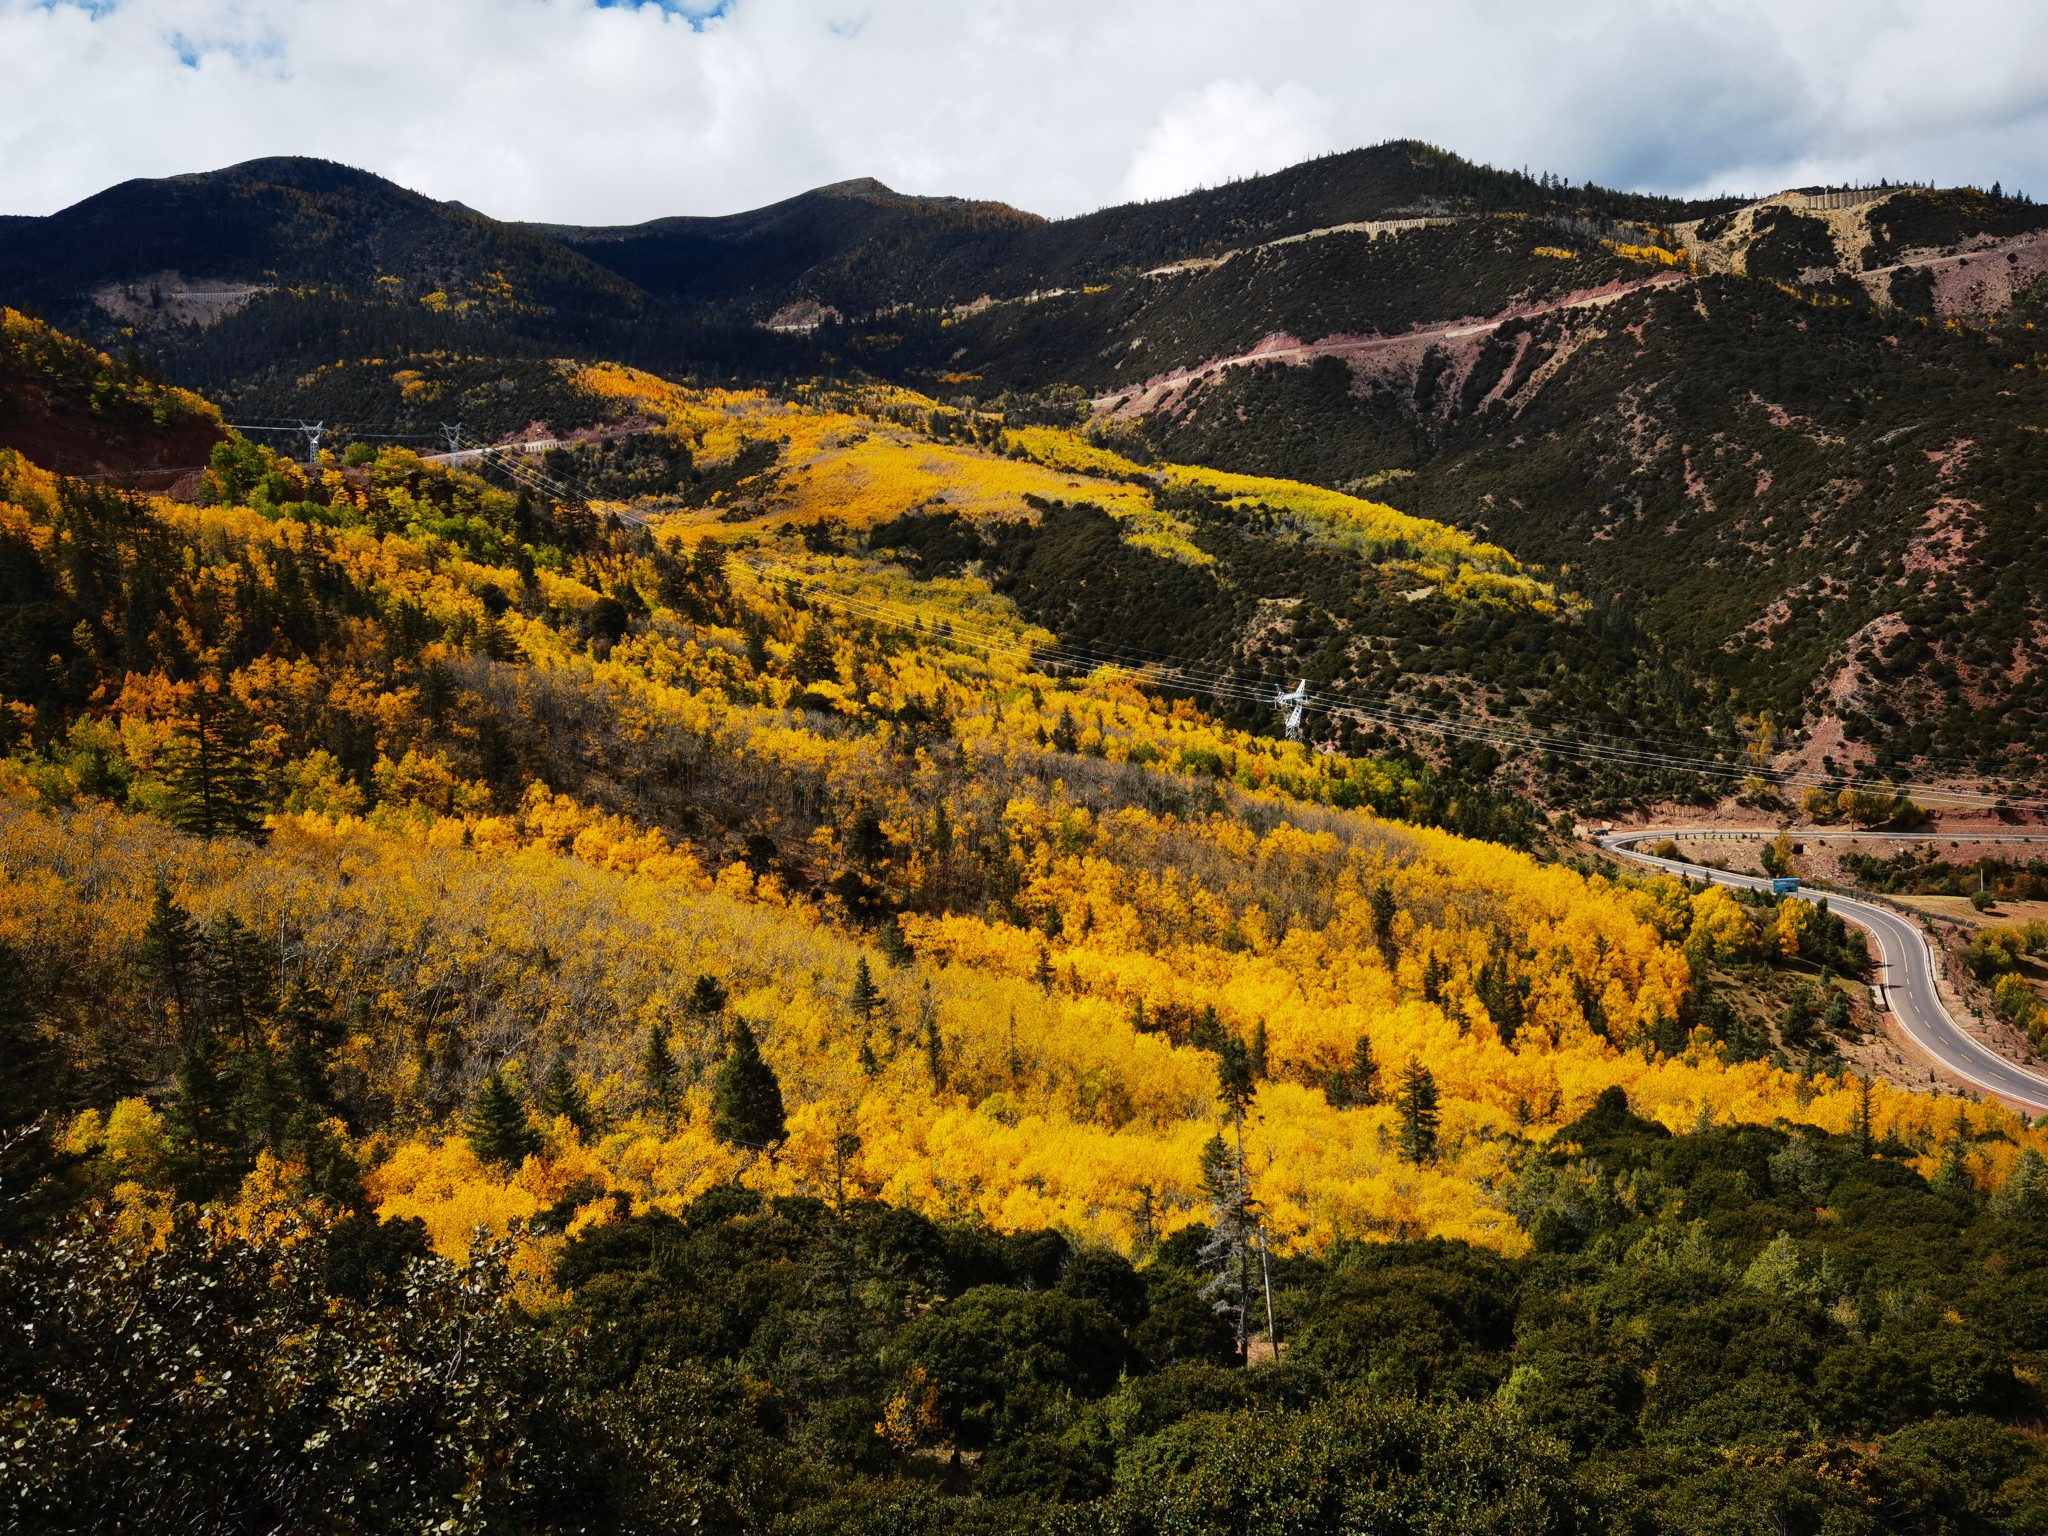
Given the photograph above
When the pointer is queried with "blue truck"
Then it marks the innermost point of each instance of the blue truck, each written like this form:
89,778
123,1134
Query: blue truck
1784,885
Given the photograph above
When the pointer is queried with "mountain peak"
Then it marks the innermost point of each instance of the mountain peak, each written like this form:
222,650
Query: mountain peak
857,187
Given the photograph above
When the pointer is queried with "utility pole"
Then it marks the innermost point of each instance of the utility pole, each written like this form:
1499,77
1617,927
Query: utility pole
313,430
453,435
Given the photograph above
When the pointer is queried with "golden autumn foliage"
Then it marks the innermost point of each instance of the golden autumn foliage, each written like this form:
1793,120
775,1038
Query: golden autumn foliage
1055,1108
523,795
862,457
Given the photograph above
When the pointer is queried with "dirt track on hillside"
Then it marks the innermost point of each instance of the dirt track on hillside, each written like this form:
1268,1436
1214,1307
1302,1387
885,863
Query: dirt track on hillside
1405,349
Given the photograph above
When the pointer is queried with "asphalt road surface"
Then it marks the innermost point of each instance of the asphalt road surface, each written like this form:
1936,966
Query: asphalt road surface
1905,978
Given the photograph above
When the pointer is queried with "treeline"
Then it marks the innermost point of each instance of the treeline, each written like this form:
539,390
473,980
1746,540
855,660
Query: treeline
1743,1329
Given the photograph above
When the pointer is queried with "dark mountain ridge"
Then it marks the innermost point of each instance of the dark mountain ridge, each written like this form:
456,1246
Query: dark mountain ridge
861,247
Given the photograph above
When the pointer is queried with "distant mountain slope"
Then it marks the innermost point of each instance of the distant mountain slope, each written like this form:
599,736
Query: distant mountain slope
860,247
69,408
285,223
1833,510
855,244
1795,436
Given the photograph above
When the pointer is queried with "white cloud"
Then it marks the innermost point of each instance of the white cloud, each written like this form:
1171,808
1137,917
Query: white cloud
1229,129
567,110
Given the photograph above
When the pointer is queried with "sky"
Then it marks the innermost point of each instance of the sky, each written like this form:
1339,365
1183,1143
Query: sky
582,111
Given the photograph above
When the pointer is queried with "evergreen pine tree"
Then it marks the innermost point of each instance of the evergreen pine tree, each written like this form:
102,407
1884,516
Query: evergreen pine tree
1235,1083
307,1027
263,1099
210,770
499,1130
866,997
238,988
755,630
746,1097
1066,735
1432,979
867,844
1358,1084
1953,1178
562,1096
1503,997
1383,908
895,949
708,998
2024,1194
1417,1104
1865,1139
172,954
1260,1065
200,1117
813,661
935,1051
870,1065
658,1067
1365,1072
1044,974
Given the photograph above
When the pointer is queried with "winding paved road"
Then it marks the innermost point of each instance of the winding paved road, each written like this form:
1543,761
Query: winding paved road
1905,978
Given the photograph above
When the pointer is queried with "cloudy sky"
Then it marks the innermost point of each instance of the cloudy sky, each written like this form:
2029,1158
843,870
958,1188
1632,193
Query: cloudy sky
593,112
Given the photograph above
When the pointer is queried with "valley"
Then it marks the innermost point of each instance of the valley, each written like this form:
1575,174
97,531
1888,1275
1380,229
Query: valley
885,864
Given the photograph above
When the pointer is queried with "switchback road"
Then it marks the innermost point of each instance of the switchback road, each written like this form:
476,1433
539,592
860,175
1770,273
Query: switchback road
1905,981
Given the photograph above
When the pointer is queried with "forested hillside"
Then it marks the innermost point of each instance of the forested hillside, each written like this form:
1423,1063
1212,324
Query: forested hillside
690,1012
1785,447
760,956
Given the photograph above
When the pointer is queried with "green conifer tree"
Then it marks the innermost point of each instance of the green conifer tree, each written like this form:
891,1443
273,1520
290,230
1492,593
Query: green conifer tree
1417,1104
1226,1176
173,954
708,998
1261,1066
211,771
934,1051
1365,1072
1066,735
866,998
658,1067
895,949
499,1130
1504,998
1383,909
200,1118
307,1027
561,1095
746,1096
238,979
813,661
1433,979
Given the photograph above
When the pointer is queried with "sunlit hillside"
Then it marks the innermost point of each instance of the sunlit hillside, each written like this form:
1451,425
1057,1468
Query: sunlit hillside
510,780
865,457
768,964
